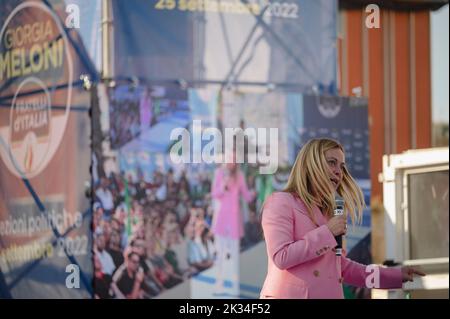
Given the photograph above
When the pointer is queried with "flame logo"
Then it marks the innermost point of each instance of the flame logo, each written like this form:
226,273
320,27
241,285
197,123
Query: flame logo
28,160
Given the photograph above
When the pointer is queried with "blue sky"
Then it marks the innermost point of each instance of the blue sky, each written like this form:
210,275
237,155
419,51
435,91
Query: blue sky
439,64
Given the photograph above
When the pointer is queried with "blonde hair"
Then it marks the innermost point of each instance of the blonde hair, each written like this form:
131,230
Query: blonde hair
310,180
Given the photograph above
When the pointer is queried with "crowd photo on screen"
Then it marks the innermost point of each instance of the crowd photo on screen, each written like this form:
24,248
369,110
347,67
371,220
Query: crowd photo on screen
151,236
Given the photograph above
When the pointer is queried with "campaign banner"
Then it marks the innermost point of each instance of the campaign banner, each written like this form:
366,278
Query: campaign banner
291,43
45,242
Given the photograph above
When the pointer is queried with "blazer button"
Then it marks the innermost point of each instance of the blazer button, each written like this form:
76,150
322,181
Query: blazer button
316,273
317,253
341,280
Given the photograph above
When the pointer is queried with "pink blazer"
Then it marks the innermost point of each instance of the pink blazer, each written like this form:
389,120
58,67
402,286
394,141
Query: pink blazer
301,259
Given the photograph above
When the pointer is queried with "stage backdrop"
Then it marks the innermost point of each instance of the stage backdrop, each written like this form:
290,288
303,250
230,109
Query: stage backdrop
167,207
291,43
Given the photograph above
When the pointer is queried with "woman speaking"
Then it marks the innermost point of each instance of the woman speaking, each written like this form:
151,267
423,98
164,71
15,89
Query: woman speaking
300,229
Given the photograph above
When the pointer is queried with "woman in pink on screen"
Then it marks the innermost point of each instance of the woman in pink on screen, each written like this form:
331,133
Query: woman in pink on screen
228,187
300,230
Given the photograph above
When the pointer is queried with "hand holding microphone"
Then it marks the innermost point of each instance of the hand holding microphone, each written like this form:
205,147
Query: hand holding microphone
338,224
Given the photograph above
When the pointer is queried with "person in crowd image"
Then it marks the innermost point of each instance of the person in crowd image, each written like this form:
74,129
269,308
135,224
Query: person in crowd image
105,196
114,248
199,257
228,187
300,230
127,280
101,280
106,261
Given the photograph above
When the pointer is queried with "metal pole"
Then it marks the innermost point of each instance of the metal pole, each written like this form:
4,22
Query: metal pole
107,40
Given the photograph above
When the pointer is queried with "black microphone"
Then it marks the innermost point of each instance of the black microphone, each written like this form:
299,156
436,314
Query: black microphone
338,211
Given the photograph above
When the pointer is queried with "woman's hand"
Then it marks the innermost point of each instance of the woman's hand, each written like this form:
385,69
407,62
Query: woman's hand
409,272
337,225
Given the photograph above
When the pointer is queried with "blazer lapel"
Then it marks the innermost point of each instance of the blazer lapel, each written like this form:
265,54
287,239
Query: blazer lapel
301,208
